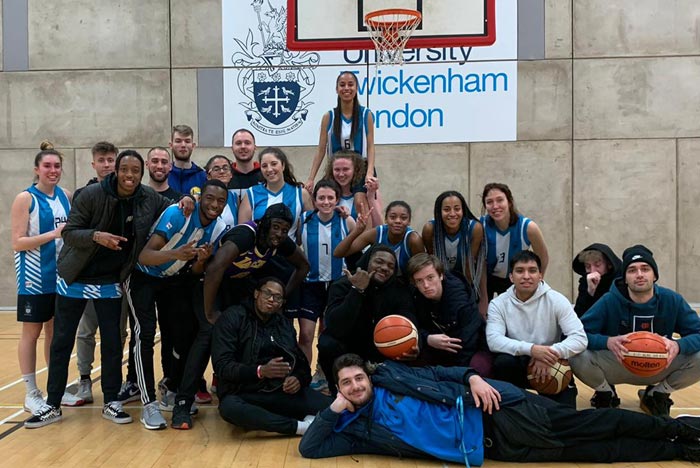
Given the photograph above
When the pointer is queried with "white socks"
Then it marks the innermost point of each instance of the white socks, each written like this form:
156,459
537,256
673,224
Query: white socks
29,381
302,426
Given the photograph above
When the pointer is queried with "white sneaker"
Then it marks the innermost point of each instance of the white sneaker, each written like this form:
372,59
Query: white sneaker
33,401
85,390
69,399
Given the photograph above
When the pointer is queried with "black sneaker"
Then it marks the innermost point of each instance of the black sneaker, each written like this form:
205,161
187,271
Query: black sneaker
114,411
655,404
691,451
46,415
128,393
689,427
181,416
605,400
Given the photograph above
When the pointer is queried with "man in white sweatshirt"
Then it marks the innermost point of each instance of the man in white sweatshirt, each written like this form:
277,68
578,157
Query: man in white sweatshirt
526,324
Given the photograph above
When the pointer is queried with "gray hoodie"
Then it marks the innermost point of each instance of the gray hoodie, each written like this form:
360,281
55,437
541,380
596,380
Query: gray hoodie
513,326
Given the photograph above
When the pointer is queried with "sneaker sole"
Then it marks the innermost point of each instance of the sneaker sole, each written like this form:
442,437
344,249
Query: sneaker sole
153,428
29,425
73,404
202,401
118,421
182,427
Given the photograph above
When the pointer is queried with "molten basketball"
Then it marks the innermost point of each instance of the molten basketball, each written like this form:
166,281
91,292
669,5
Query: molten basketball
558,379
646,354
395,335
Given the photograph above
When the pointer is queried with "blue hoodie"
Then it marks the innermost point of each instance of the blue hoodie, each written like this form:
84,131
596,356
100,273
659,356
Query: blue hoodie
665,313
184,180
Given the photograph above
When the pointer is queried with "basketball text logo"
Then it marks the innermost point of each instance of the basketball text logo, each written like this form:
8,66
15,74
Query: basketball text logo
275,81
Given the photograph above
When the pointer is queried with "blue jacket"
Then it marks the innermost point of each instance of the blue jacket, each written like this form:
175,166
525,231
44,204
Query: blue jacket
333,434
614,314
184,180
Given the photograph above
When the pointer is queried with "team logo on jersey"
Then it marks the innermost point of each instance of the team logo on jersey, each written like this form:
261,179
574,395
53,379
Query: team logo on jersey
274,80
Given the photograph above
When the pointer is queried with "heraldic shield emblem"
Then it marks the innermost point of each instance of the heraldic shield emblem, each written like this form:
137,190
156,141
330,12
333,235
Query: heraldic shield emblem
276,100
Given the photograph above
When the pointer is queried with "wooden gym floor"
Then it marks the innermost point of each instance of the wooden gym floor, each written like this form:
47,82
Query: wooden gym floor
84,438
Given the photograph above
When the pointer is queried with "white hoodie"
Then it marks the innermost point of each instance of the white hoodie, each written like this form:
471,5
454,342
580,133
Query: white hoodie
513,326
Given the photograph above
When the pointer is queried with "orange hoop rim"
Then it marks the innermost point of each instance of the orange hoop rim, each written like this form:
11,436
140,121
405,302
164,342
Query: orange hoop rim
379,24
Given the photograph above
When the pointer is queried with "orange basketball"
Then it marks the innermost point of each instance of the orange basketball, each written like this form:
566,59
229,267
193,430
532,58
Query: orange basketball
646,354
395,335
558,379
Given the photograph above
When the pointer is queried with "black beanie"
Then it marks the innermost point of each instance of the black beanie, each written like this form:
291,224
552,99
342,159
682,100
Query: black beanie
639,253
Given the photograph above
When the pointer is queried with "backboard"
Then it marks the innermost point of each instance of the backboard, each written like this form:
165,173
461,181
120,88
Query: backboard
339,24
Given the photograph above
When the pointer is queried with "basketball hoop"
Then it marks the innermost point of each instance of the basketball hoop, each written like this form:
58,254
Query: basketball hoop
390,30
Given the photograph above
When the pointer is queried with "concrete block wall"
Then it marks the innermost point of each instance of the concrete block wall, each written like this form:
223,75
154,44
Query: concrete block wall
608,119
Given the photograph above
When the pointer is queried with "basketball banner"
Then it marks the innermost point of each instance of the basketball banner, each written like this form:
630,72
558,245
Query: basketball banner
440,95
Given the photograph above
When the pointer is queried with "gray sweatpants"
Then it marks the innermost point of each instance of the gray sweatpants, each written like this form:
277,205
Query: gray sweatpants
595,367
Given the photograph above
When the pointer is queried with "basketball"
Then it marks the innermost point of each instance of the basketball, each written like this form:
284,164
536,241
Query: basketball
558,379
395,335
646,354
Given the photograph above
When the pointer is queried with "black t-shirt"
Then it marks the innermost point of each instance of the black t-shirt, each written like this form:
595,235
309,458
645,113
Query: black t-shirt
107,263
171,194
250,258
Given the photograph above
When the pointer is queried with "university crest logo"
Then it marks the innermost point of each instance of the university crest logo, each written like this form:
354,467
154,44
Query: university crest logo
274,80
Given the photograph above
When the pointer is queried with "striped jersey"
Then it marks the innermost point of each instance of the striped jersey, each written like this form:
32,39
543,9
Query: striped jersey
36,268
319,239
178,230
78,290
349,203
358,143
453,251
230,214
261,198
401,250
502,245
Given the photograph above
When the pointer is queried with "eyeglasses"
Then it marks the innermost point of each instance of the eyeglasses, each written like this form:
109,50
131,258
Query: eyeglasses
267,294
218,169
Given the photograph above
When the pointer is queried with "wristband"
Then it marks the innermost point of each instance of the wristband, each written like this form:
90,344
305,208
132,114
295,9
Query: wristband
259,372
361,291
96,237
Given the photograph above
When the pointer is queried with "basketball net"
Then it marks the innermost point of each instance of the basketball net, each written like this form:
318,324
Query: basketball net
390,30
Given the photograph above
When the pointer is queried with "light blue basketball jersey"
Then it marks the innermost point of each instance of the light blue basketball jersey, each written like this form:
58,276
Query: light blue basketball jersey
88,291
261,198
502,245
453,243
319,240
349,203
358,143
401,250
230,214
36,268
179,230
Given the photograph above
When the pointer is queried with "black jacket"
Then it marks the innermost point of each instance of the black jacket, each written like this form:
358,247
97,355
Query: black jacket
241,342
93,211
585,301
457,316
350,316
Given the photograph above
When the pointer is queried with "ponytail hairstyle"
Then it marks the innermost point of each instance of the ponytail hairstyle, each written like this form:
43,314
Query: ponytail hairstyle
288,173
323,183
472,262
338,114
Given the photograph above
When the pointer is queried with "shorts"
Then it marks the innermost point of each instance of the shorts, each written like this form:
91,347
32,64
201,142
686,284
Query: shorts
314,298
36,308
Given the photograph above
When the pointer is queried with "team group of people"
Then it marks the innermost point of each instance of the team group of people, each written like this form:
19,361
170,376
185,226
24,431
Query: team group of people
223,259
